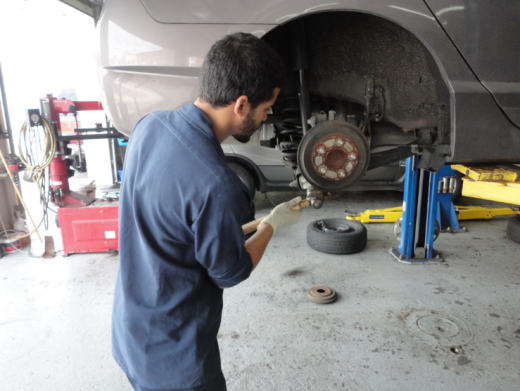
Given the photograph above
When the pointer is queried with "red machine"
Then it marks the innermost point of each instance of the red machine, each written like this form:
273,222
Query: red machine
87,225
90,229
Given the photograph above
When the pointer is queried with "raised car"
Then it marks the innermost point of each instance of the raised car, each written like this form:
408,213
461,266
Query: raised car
371,82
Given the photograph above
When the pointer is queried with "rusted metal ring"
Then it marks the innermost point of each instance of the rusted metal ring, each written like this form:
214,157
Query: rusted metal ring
335,157
320,291
333,130
321,295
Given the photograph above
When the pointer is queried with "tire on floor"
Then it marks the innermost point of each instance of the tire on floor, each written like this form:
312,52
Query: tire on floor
337,236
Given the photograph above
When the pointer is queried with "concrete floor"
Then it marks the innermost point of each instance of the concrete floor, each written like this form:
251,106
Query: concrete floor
55,314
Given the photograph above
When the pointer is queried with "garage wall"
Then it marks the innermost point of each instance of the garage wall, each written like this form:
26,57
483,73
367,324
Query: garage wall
7,194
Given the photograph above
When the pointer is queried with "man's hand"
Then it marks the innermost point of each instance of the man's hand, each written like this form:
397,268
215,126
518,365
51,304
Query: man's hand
282,216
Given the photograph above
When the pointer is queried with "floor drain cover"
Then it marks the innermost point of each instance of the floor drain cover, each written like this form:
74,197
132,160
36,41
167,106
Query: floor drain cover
437,328
321,295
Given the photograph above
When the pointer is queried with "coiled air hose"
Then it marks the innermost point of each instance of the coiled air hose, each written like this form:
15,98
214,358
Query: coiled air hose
35,166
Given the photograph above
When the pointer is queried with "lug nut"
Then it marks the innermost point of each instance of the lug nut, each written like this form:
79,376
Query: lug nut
340,142
352,156
317,204
342,174
323,170
321,150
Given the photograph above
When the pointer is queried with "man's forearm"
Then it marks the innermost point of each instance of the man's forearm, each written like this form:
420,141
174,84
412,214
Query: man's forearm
257,243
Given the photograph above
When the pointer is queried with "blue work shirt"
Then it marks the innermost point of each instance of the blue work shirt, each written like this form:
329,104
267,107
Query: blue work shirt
180,239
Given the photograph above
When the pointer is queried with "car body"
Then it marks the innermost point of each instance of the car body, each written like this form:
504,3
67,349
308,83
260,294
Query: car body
444,73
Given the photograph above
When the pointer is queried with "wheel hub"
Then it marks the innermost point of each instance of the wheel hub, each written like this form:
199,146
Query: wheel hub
335,157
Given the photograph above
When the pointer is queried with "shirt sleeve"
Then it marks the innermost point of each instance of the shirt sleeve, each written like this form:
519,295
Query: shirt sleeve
219,238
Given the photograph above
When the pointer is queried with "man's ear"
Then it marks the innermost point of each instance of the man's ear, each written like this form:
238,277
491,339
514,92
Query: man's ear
241,106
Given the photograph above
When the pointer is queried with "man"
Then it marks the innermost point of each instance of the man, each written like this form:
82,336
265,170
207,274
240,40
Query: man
180,216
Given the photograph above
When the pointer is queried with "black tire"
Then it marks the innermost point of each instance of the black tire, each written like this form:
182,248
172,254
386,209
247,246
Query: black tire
457,192
337,236
244,176
513,228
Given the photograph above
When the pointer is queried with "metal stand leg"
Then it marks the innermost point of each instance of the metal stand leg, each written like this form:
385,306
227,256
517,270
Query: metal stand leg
420,209
446,215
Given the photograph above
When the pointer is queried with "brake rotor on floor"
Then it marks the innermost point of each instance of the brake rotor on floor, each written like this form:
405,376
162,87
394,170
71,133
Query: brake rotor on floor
321,295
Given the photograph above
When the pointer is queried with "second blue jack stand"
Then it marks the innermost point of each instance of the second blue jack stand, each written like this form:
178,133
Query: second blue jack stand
427,198
446,212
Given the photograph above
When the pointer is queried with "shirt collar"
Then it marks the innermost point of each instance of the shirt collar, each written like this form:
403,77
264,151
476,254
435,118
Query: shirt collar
196,118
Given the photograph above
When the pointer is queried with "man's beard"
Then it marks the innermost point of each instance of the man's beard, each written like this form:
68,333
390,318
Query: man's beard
247,129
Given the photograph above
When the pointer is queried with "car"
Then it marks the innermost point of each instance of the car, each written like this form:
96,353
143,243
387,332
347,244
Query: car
370,83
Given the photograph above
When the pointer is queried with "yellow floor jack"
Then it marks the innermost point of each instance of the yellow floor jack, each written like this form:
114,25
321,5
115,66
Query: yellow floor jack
391,215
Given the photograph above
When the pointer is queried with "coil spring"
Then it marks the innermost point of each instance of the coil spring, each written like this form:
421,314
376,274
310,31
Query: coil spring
290,131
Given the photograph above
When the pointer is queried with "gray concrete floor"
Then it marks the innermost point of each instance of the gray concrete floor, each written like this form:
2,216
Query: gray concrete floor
55,314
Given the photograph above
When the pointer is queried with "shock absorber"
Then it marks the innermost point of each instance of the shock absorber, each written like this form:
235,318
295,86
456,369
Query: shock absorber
290,132
301,65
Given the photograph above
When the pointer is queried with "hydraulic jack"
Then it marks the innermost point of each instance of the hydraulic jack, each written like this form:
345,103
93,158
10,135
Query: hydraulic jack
427,199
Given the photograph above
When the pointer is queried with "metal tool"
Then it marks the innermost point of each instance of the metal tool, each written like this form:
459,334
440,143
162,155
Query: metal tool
253,225
314,198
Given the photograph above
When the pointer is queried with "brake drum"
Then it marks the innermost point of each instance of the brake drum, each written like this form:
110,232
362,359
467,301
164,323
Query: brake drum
333,155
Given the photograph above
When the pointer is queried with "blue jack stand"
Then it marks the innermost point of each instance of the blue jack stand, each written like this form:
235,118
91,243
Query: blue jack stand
427,199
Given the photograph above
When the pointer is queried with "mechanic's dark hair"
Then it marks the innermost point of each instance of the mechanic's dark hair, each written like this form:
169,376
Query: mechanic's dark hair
240,64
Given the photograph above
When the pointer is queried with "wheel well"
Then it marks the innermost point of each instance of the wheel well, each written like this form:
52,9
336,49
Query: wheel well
345,49
251,168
